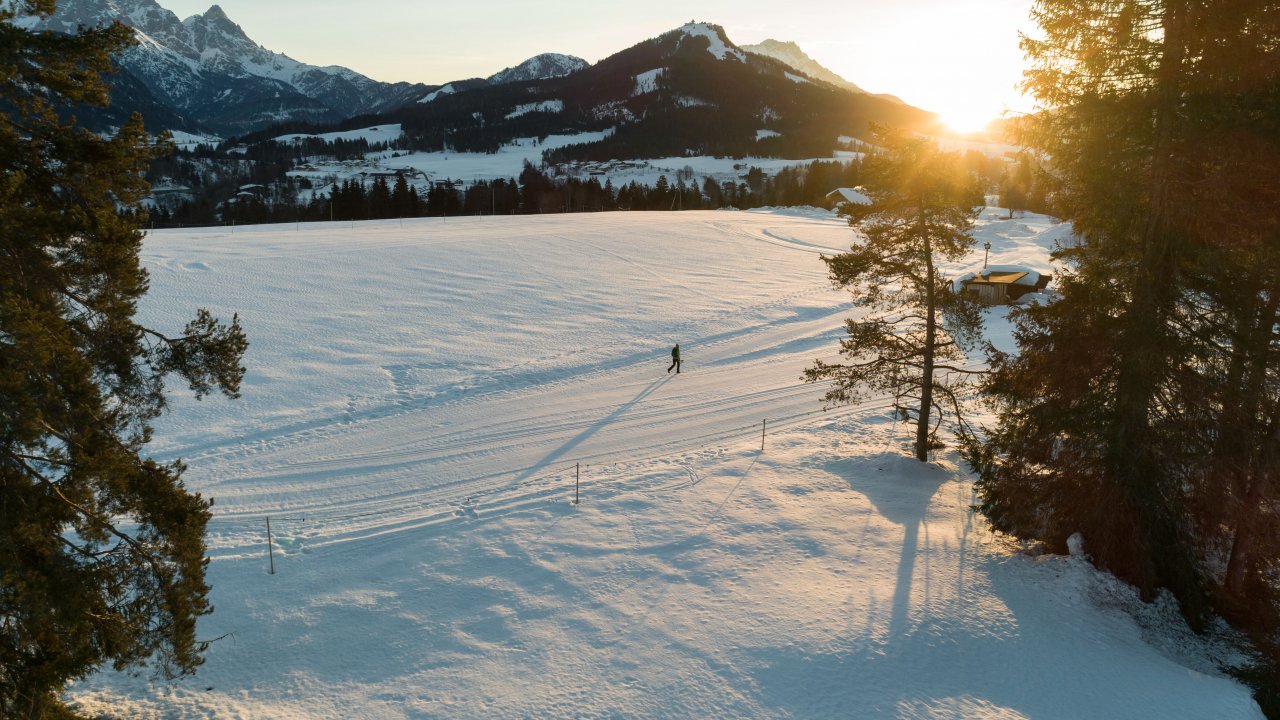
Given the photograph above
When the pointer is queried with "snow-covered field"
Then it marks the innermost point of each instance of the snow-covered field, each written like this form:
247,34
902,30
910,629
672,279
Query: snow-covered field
419,399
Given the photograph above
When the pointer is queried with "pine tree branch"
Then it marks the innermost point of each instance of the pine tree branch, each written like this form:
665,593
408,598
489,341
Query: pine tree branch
967,371
89,514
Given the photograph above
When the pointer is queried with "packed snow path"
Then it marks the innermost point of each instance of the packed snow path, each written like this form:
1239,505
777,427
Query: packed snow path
419,396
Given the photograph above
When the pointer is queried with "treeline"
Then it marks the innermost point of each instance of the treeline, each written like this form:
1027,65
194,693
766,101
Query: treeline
1026,185
280,198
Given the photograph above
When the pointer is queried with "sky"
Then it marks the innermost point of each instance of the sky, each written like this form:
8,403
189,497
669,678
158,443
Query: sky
959,58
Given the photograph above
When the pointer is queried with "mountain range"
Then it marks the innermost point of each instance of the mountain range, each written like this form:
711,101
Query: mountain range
689,91
205,75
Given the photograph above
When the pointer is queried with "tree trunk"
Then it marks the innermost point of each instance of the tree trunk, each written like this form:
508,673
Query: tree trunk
1242,546
1263,467
930,338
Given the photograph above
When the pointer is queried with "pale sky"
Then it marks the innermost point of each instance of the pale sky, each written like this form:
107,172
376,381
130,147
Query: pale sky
956,57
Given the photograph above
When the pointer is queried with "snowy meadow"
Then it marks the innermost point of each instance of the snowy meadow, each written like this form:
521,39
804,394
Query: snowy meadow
424,400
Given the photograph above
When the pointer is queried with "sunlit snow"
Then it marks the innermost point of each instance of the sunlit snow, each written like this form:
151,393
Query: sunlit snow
716,46
422,398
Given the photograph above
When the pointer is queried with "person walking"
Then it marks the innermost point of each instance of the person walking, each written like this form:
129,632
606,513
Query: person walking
675,359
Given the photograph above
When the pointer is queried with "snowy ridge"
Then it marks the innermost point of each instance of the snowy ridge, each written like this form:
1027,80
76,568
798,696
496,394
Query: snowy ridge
207,69
790,54
718,46
539,67
443,90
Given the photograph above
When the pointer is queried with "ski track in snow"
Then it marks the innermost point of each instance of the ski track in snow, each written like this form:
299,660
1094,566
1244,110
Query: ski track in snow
393,457
420,396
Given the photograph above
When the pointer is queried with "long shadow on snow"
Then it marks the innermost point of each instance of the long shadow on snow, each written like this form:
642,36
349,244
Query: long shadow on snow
878,668
559,452
999,644
513,378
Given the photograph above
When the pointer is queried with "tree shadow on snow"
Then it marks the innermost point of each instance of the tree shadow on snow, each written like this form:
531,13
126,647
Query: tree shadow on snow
880,671
900,488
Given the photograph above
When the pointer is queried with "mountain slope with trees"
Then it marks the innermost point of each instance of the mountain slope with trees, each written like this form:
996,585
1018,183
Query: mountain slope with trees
687,92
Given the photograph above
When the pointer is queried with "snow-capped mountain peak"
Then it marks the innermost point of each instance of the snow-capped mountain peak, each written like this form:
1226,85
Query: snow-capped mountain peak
718,43
208,68
539,67
790,54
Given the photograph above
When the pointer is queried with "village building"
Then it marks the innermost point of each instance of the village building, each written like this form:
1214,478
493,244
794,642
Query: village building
1001,284
841,196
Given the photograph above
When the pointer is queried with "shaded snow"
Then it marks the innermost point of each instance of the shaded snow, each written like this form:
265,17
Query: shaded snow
445,90
373,134
647,82
189,141
546,106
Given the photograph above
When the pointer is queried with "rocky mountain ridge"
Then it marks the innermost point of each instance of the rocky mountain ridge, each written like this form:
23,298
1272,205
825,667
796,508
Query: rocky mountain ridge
205,74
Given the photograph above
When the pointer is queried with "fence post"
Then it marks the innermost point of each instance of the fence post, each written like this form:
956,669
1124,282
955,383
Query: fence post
270,551
763,424
577,478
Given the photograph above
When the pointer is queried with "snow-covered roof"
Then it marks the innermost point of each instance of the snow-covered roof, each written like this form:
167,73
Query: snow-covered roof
851,195
1012,274
1020,275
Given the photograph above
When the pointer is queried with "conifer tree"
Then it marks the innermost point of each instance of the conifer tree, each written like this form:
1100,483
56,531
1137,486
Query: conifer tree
379,199
403,205
101,548
911,339
1161,127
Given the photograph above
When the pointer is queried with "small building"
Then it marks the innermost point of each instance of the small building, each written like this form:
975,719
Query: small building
841,196
1001,284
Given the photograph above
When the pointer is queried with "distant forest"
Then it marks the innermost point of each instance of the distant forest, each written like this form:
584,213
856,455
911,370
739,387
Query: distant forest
252,185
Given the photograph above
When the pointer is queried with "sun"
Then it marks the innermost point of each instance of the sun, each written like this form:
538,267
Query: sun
966,120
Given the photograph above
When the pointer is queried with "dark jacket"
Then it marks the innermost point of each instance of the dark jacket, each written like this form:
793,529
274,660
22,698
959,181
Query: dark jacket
675,353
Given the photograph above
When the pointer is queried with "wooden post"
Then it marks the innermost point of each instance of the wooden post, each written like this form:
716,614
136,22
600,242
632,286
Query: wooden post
763,424
270,552
577,478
